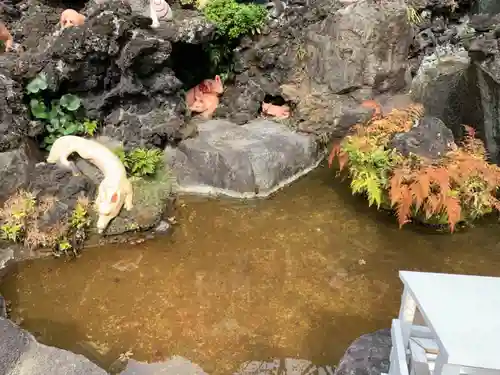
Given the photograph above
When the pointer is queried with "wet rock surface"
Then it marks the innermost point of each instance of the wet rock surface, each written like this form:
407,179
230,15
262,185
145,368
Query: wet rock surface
442,84
287,366
429,138
14,123
250,160
367,355
121,73
20,353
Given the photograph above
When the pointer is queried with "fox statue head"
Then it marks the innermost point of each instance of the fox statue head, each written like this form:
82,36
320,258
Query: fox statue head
108,203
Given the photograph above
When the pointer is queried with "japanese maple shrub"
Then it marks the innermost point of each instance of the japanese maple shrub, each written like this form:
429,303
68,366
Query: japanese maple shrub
460,187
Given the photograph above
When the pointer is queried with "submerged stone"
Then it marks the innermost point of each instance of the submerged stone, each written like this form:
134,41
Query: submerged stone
367,355
286,366
254,159
20,354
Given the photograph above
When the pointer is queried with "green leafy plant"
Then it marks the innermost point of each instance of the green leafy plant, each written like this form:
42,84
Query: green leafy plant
11,232
64,246
79,217
369,168
79,222
140,162
233,20
459,187
14,215
60,116
412,16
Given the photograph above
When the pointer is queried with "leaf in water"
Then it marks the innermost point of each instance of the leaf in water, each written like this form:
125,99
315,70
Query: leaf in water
70,102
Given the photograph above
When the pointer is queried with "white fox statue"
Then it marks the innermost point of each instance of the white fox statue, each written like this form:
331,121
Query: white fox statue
115,189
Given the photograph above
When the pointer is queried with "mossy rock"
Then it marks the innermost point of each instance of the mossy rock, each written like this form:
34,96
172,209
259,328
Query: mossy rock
150,200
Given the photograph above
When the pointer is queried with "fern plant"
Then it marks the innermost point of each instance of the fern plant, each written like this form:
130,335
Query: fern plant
140,162
369,167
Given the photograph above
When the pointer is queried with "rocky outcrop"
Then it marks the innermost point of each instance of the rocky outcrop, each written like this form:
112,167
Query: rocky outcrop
123,74
20,353
21,169
251,160
151,196
367,355
14,123
324,63
16,168
361,46
429,138
442,85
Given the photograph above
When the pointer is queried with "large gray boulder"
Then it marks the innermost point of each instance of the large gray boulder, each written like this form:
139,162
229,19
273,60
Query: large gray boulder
175,365
14,124
21,354
367,355
444,87
361,45
254,159
323,59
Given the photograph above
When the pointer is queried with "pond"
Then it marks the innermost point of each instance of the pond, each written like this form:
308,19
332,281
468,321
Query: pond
299,275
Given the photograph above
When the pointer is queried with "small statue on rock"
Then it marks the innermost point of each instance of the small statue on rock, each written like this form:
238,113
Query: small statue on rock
6,37
162,9
204,97
115,189
70,18
279,111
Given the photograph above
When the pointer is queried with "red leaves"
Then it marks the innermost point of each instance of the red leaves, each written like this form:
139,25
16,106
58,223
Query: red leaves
342,156
427,190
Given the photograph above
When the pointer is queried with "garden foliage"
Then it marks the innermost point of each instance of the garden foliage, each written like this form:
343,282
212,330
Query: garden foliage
460,187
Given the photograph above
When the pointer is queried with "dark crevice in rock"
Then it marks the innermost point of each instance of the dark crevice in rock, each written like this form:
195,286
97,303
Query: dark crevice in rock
190,63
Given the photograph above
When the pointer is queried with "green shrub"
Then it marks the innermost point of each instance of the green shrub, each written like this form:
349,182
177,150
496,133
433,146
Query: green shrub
233,21
140,162
60,116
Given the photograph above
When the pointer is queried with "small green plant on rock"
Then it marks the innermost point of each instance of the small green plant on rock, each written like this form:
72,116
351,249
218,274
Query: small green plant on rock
412,16
140,162
20,222
60,116
79,223
15,214
233,20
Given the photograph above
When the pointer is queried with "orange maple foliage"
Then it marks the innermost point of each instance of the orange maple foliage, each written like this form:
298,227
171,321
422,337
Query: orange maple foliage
436,189
463,181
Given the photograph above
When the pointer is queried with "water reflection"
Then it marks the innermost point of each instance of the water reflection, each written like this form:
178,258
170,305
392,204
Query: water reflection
300,275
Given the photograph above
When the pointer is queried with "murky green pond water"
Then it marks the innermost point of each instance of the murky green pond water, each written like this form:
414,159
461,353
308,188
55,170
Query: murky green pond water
299,275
